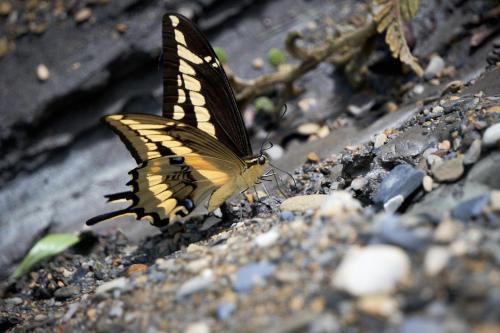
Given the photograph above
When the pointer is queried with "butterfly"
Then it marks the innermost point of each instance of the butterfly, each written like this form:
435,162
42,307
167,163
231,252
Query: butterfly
199,149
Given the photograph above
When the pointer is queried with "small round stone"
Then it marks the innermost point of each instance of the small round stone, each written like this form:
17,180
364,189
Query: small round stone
42,72
427,183
491,136
380,140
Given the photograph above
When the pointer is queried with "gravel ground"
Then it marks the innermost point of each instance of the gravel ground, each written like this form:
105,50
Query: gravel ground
401,234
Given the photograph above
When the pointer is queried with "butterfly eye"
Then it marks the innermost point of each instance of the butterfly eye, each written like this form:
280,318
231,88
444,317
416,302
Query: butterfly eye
261,160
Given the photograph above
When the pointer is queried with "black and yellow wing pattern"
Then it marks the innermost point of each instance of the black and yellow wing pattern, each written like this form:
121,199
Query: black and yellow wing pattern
199,149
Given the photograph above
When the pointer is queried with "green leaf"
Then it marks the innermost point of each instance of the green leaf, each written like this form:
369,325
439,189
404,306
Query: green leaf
46,247
221,54
276,57
264,103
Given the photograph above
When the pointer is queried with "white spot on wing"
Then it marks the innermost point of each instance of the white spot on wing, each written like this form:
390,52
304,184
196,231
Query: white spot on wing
178,112
185,68
179,37
188,55
174,20
196,98
202,114
182,96
191,83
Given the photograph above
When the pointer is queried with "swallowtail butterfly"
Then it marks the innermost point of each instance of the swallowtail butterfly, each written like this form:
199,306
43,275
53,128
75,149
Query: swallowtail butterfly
199,149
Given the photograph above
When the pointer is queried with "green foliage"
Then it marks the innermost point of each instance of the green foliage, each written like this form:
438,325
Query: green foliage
276,57
46,247
264,103
221,54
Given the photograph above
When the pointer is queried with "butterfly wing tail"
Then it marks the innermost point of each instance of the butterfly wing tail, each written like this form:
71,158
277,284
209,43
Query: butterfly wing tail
108,216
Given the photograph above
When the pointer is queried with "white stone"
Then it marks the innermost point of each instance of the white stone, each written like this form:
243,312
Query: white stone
119,283
436,259
392,205
435,66
302,203
375,269
379,140
427,183
340,204
196,284
267,239
491,136
198,327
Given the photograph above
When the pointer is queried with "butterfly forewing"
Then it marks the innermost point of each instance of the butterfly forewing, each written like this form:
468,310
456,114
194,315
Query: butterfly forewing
196,89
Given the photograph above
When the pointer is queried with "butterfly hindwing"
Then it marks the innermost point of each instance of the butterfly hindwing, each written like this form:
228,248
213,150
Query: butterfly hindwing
180,166
196,89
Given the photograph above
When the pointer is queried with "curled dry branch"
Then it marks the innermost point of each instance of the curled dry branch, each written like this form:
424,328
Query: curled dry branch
246,90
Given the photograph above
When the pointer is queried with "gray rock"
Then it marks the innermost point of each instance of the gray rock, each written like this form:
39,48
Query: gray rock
491,136
388,228
359,183
66,292
486,171
379,141
248,276
473,153
471,208
412,142
449,170
402,180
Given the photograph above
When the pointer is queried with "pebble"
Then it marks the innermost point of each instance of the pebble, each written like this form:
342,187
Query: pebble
198,327
427,183
402,180
267,239
225,310
134,268
287,216
197,265
491,136
14,300
379,141
119,283
448,170
66,292
5,8
469,209
495,201
210,222
258,63
196,284
83,15
420,324
306,104
313,157
308,128
393,204
374,269
378,305
359,183
251,275
340,204
42,72
444,145
436,259
419,89
473,153
302,203
446,231
389,228
435,66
